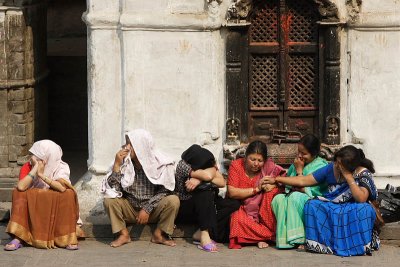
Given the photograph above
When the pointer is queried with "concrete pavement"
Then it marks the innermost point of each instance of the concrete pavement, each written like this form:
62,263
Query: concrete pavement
144,253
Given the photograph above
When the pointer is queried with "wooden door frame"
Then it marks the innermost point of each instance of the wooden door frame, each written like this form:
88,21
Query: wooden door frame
237,52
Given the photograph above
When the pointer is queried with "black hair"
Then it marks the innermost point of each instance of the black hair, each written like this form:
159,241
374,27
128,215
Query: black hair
198,157
257,147
311,143
352,157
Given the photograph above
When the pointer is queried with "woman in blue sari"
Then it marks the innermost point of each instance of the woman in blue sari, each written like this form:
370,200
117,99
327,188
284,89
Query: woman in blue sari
342,221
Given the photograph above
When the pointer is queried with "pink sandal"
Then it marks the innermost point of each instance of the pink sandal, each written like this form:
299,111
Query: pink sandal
15,243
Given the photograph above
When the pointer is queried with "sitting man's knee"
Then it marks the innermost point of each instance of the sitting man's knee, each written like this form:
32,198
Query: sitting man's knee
173,201
108,202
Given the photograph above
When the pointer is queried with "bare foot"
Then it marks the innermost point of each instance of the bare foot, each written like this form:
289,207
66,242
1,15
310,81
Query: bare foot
163,241
262,245
121,240
301,247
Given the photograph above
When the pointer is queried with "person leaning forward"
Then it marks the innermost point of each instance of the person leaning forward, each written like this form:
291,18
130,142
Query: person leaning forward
139,188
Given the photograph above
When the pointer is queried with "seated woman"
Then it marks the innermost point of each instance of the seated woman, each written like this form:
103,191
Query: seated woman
44,204
197,182
254,222
288,207
341,222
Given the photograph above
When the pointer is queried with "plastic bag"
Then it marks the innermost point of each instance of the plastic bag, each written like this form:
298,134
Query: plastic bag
389,203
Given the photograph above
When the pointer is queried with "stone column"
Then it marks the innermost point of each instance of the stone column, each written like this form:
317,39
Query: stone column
22,67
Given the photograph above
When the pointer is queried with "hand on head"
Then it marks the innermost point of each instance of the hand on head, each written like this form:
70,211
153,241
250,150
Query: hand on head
120,156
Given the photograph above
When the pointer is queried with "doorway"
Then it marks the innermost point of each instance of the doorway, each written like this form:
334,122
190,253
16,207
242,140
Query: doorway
67,82
283,64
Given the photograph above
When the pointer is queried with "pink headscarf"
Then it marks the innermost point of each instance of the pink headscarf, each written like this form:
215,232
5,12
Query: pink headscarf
51,154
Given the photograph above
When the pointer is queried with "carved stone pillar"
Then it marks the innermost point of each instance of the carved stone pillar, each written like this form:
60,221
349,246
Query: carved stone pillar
22,70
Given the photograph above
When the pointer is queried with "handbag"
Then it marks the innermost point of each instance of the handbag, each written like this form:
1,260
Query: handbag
379,221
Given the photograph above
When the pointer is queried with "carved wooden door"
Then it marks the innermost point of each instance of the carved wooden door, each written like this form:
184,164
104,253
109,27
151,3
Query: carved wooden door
283,70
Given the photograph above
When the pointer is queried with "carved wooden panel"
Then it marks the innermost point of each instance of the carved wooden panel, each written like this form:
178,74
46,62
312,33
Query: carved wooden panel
283,67
264,82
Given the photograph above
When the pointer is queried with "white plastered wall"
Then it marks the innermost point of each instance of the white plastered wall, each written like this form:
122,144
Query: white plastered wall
157,65
370,89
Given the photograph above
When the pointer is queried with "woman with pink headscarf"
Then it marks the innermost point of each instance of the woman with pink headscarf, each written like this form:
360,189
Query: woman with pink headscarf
44,204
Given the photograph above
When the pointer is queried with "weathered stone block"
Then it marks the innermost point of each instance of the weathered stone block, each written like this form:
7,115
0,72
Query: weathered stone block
17,45
15,151
3,150
18,118
6,172
3,132
15,71
18,129
29,128
3,96
17,140
18,107
3,162
3,139
29,93
17,94
31,105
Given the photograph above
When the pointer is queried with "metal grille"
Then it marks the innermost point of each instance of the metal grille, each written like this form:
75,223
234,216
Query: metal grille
264,24
302,81
303,27
264,82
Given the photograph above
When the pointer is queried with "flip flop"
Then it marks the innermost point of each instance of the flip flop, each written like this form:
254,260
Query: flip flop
195,242
72,247
210,247
17,244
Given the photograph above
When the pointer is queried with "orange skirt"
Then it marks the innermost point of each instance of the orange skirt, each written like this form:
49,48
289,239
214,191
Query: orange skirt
44,218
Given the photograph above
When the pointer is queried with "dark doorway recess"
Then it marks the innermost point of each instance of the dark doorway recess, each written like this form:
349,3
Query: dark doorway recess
67,97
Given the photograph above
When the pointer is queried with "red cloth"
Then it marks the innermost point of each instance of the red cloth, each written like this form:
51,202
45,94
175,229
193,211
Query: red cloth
243,228
25,169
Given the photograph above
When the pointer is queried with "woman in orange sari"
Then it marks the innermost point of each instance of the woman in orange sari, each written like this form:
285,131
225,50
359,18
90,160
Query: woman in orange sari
44,205
254,222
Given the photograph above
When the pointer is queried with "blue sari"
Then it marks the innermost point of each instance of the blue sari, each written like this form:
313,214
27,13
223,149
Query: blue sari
335,223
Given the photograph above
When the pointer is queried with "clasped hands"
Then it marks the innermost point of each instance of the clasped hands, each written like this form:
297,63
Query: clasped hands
267,183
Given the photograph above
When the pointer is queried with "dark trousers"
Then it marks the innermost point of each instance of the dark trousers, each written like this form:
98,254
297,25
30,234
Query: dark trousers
210,212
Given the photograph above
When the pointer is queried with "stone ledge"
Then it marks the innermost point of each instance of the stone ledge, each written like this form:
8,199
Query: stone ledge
5,208
390,233
136,232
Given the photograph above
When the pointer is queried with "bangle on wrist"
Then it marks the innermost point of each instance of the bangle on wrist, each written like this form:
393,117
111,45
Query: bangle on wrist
354,182
254,190
32,176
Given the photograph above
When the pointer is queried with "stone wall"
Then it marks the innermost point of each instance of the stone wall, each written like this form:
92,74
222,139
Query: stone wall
22,67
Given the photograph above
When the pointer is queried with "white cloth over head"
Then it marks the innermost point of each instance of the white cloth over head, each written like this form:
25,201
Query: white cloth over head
158,167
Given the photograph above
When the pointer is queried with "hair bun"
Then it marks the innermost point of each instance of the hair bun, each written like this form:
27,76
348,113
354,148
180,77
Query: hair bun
361,152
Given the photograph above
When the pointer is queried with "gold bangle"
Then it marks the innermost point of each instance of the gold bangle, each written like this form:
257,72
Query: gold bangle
354,182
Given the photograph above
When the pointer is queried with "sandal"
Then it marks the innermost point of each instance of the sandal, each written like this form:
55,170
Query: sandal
15,243
72,247
210,247
196,242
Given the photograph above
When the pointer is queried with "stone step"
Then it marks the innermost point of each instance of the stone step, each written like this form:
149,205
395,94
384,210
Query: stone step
142,232
390,232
